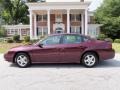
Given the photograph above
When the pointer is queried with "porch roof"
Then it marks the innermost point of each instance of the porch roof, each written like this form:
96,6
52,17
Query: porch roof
58,5
16,26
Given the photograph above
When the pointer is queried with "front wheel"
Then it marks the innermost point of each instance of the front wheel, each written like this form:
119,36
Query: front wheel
22,60
89,59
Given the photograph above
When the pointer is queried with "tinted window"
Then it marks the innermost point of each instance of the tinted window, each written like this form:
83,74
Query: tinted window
72,39
85,39
51,40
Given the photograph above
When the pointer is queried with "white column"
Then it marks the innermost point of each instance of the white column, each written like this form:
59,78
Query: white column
20,33
82,23
31,26
48,20
68,21
35,26
86,22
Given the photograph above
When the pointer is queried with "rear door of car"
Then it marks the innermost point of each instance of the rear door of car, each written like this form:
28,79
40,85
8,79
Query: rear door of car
71,48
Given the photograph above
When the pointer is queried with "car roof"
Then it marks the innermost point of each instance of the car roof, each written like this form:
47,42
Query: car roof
69,34
66,34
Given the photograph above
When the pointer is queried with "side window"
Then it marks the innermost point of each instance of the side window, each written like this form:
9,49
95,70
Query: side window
51,40
72,39
85,39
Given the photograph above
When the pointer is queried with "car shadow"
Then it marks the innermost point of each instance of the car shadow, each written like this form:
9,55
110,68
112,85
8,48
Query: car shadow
102,64
109,64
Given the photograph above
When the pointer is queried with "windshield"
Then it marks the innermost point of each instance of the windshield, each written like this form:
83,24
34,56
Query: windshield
40,41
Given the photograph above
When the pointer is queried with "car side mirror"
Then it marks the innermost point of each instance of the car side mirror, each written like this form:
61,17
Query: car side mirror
40,45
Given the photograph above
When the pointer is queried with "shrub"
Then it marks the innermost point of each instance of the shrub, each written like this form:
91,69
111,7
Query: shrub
16,38
109,40
102,37
27,38
9,41
41,37
34,41
117,41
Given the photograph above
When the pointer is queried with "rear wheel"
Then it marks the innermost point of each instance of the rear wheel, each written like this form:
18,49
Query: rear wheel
90,59
22,60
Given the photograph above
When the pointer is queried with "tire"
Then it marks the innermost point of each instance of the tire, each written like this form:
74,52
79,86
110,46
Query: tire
22,60
90,59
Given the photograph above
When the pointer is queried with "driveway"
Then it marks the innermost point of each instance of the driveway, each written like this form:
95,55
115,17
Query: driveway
106,76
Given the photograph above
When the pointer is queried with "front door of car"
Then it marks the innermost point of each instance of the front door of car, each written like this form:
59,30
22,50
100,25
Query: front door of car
72,48
49,51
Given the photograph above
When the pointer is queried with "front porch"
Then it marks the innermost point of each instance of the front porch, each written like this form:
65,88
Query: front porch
50,18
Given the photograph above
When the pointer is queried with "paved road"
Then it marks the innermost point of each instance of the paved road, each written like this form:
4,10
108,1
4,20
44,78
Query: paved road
105,76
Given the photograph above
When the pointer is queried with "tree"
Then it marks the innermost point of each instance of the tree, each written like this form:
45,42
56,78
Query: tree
2,32
15,12
109,15
32,0
36,0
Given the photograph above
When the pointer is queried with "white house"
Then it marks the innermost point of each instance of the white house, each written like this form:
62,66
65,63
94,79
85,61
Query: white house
61,17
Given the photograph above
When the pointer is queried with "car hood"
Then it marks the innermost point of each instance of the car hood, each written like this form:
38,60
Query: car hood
23,48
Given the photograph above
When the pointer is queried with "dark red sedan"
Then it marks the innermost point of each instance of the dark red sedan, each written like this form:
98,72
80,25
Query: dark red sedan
62,48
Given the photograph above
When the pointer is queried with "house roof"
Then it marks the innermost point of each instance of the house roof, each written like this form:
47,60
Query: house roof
16,26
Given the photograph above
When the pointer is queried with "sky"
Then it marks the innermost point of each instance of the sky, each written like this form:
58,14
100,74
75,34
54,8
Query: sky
94,5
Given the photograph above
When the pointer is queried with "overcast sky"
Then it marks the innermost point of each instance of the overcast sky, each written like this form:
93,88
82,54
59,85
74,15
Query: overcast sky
93,6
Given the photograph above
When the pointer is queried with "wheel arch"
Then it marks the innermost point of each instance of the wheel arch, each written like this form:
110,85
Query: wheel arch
91,51
21,52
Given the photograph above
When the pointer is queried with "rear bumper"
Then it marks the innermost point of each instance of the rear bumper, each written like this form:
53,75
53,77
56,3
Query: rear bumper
107,54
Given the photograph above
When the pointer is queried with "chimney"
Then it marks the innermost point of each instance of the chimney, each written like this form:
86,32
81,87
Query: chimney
82,0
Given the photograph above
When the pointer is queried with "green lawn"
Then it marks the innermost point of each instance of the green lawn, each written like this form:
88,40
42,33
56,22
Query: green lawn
116,46
4,47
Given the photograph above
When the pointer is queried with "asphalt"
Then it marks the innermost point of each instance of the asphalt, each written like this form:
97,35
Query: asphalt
106,76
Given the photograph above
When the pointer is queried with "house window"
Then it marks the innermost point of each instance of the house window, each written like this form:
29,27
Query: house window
58,18
8,32
24,31
75,17
41,31
92,31
45,30
42,18
75,29
12,31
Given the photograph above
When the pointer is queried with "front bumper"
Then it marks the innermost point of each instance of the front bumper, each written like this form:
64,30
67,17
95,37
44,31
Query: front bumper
9,57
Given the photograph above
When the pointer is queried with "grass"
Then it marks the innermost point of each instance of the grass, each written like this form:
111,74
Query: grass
116,46
4,47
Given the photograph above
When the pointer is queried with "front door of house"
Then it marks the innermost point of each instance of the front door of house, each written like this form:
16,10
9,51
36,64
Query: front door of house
59,27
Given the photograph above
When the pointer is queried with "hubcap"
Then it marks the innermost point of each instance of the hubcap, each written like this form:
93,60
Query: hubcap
22,60
89,60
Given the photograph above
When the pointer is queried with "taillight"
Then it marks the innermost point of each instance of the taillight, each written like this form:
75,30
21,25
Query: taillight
108,45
